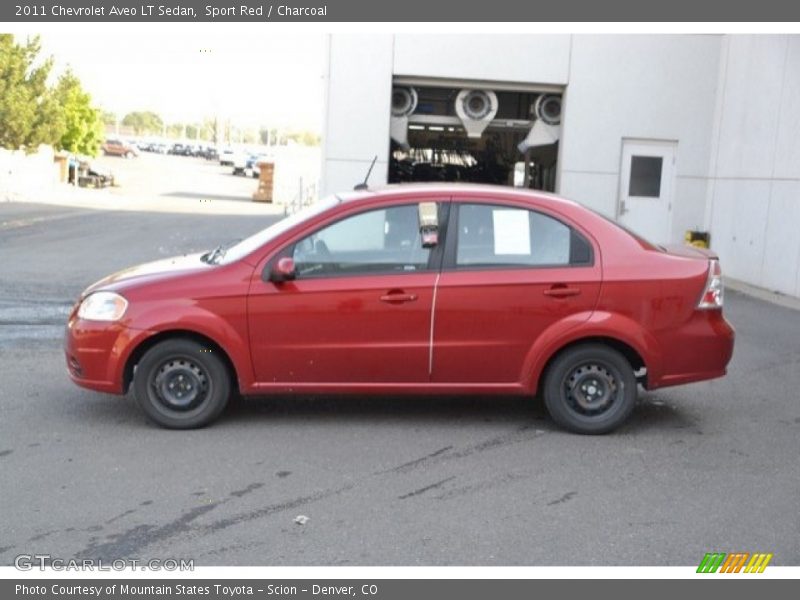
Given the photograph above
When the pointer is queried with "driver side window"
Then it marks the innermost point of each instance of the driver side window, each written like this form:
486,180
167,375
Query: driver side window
378,241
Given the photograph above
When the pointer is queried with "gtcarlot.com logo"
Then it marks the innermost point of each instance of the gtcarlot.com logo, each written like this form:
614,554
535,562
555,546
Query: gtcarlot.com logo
737,562
29,562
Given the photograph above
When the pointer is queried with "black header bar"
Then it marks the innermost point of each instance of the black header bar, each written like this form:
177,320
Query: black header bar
463,11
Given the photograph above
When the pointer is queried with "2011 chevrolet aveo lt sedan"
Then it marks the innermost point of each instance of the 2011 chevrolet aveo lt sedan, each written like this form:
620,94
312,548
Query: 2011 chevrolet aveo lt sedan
410,290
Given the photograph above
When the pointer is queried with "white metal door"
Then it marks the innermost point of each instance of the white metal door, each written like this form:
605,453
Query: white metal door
646,183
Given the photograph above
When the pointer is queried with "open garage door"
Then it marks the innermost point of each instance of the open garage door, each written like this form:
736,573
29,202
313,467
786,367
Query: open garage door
476,133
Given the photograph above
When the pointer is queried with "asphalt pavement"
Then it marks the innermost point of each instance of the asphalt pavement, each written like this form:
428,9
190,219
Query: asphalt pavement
706,467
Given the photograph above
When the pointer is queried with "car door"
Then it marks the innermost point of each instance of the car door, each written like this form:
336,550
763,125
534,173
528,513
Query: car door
509,273
358,311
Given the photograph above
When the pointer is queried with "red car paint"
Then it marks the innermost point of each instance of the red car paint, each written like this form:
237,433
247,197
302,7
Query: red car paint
464,330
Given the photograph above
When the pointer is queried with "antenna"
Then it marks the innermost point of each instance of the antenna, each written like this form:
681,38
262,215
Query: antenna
363,185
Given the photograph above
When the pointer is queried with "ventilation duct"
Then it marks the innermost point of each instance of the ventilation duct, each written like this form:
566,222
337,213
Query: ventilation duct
547,128
476,109
404,103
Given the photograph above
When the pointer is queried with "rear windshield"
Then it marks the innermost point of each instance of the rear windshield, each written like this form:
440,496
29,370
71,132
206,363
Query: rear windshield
643,242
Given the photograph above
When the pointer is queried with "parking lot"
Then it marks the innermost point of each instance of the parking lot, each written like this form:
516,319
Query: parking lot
177,178
437,481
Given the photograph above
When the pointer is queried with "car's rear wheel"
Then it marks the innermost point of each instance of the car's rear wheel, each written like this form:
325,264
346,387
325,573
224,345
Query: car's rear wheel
129,154
590,389
181,384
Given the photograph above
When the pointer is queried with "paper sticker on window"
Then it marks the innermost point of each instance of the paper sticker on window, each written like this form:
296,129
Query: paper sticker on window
512,232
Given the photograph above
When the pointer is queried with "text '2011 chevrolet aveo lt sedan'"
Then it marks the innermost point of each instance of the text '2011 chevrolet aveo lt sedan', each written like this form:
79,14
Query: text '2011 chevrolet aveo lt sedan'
410,290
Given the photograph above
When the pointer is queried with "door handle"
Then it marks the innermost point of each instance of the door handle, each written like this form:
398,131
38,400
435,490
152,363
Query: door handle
562,291
398,297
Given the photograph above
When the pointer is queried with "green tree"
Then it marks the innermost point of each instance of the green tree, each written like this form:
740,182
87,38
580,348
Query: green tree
83,124
109,118
249,136
143,122
209,130
29,111
306,138
175,130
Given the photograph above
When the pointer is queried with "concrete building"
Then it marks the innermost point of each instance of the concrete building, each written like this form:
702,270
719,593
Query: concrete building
665,133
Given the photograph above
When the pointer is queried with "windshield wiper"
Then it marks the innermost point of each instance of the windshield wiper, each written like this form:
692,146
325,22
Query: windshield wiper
218,253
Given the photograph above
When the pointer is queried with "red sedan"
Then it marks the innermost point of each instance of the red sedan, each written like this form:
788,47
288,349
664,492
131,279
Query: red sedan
410,290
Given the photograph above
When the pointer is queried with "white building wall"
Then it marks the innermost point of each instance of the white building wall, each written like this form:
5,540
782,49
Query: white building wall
525,59
731,103
649,87
358,92
754,216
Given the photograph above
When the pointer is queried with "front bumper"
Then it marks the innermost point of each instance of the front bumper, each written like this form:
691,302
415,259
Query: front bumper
97,352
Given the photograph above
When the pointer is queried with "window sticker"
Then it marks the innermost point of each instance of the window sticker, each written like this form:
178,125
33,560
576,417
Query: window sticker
512,232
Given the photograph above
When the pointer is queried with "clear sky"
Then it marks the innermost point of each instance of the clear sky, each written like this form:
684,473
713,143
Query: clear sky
254,78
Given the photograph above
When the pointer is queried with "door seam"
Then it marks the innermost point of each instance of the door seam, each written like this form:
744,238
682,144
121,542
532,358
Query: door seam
433,322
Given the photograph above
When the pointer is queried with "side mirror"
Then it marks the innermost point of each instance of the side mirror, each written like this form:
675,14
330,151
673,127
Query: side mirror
283,270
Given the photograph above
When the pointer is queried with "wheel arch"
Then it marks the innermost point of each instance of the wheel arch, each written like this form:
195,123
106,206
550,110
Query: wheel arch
631,354
171,334
638,346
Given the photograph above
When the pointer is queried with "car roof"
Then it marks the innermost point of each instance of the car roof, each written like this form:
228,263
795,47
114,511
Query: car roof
454,189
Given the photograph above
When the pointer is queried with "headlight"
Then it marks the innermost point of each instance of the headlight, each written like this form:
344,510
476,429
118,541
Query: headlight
103,306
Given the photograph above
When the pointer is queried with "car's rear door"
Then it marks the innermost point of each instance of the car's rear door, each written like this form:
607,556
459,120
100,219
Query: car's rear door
509,273
359,310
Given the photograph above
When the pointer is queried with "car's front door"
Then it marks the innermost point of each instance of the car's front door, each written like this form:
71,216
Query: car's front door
358,311
509,273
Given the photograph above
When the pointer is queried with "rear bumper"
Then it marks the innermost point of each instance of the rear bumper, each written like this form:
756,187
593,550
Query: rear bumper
697,351
96,353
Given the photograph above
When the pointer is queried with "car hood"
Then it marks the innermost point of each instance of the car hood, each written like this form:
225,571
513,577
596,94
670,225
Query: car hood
148,272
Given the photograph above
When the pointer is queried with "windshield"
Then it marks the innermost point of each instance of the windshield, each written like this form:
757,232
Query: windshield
255,241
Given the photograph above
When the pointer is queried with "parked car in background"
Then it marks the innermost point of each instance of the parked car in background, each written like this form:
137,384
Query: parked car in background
240,159
438,289
226,157
118,147
239,163
246,163
182,149
252,167
209,152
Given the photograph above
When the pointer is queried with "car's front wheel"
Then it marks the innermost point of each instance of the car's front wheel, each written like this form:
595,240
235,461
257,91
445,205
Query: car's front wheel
181,384
590,389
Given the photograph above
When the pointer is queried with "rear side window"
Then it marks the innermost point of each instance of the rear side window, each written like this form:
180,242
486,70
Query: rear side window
493,235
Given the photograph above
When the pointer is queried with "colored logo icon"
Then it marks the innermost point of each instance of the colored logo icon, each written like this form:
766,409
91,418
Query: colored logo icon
736,562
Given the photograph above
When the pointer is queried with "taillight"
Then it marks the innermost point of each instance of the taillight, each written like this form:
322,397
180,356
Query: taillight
712,296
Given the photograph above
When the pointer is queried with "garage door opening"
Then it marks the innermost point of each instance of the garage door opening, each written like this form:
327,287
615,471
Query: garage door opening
477,135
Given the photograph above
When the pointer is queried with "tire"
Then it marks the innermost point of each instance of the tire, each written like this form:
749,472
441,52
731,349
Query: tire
129,155
590,389
181,384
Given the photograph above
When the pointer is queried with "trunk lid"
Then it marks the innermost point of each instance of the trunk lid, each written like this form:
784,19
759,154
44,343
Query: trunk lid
690,251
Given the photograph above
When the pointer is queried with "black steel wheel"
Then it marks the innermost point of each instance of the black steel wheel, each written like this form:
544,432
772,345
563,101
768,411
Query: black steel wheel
590,389
181,384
